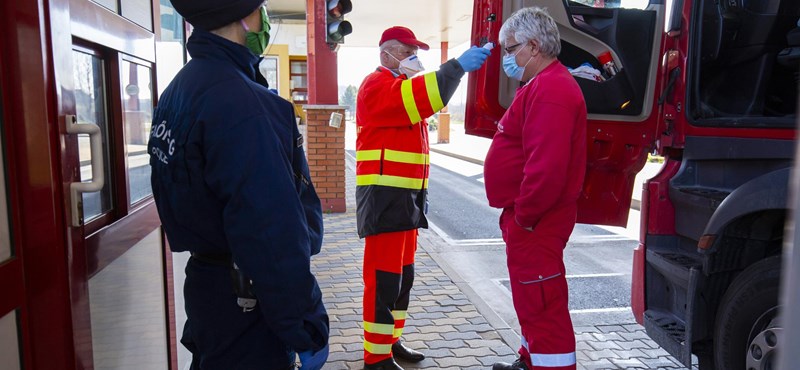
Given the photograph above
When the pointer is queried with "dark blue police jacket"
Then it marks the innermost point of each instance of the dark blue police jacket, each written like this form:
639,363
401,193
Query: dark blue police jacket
230,176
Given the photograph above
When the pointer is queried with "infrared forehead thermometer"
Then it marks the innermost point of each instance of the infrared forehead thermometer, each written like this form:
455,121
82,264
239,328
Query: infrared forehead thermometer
488,46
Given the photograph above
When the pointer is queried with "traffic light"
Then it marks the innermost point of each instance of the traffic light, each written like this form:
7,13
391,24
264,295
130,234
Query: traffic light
335,24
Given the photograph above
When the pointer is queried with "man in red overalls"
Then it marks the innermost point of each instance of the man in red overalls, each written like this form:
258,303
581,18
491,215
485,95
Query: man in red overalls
534,171
392,168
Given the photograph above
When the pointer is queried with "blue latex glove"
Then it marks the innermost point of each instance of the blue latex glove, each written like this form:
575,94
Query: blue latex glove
313,360
473,58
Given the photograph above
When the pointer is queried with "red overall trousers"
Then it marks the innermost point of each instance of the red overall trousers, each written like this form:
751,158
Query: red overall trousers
539,290
388,277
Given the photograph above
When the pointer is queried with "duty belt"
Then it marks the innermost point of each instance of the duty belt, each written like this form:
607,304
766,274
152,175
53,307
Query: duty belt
219,259
242,285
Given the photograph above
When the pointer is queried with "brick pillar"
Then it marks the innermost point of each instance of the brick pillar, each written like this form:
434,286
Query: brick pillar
326,155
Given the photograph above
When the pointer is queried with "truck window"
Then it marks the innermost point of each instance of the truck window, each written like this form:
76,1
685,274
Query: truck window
627,29
629,4
746,56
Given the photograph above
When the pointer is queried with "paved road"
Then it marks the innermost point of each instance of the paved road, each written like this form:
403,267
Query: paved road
599,287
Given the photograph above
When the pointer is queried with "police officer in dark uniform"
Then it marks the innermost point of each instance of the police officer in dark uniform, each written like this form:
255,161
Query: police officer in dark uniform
232,187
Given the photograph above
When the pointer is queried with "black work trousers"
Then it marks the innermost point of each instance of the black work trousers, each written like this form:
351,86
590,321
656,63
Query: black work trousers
218,333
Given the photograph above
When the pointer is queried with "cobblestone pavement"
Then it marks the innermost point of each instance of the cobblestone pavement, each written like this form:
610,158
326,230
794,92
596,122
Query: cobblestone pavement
443,323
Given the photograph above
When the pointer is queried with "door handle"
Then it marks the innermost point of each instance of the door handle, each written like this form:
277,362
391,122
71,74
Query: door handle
76,189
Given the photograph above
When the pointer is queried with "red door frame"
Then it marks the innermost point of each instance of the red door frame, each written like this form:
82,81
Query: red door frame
34,185
47,278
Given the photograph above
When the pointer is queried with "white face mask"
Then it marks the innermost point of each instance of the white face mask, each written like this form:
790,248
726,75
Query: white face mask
409,66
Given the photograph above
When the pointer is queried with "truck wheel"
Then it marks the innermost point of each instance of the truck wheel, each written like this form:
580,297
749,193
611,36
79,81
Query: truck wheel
747,334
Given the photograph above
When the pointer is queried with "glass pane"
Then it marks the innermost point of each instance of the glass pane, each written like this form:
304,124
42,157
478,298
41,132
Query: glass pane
299,96
170,50
269,68
137,97
5,238
299,67
179,261
9,336
127,303
90,106
139,12
110,4
299,82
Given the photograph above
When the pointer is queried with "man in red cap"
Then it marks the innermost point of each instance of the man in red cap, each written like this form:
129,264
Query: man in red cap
392,168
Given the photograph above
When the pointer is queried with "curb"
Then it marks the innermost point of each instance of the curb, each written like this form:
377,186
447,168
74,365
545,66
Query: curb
458,156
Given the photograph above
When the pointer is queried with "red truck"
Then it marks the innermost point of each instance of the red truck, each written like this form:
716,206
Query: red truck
710,85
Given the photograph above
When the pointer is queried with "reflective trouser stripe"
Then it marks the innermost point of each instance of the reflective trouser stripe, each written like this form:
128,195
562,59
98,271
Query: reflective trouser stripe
399,315
399,323
377,349
407,92
553,360
376,328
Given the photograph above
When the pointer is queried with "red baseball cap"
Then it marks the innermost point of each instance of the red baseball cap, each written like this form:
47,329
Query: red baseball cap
403,35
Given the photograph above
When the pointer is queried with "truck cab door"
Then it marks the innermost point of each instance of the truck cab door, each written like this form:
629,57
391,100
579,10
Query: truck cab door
622,110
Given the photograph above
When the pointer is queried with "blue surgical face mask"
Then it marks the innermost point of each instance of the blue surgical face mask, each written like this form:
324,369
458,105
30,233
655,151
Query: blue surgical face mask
511,68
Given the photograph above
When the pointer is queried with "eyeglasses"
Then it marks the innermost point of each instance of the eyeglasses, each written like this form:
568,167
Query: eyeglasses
510,49
404,51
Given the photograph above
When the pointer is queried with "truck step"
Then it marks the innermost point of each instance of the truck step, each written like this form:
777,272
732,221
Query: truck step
694,206
709,193
674,266
669,332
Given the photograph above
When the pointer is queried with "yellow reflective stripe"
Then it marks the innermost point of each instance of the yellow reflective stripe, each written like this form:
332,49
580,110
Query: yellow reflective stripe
393,181
376,328
368,155
433,91
377,349
406,90
405,157
397,333
399,315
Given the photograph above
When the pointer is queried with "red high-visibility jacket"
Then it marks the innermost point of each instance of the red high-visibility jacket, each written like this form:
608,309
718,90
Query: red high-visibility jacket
392,160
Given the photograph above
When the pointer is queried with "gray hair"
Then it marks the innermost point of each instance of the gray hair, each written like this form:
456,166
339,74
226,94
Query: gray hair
533,23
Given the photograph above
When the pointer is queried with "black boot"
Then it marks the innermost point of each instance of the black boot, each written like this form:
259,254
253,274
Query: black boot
517,365
400,351
387,364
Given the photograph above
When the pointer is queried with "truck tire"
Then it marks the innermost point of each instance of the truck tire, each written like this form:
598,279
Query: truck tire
747,330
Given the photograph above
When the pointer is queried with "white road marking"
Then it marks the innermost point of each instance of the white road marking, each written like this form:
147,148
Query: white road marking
609,274
600,310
